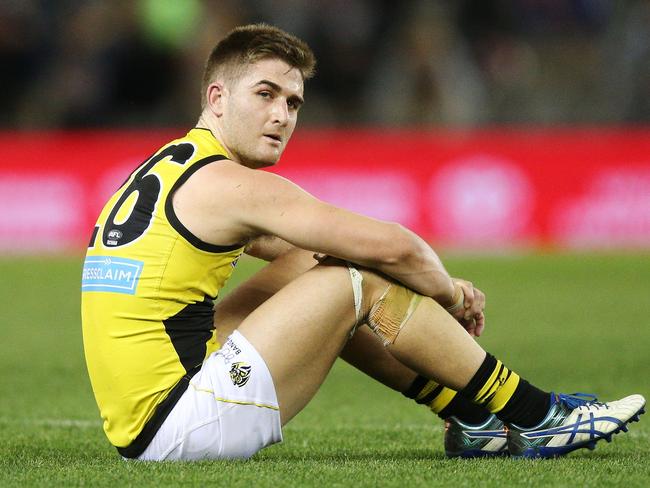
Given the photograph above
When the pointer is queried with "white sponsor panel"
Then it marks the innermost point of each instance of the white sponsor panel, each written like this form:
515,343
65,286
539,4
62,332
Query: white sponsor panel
480,200
614,211
110,274
386,195
42,212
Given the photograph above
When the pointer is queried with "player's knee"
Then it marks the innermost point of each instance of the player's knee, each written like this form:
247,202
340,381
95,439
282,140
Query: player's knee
367,285
374,286
391,311
386,306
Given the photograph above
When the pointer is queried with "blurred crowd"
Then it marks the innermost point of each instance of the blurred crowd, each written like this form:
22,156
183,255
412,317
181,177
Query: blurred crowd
124,63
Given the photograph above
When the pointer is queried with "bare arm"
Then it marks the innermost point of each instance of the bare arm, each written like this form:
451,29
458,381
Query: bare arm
225,202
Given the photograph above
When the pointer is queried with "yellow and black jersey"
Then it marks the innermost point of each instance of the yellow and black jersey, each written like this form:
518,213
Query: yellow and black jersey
147,291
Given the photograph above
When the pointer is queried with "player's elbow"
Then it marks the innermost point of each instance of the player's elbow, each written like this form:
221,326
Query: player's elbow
401,246
410,252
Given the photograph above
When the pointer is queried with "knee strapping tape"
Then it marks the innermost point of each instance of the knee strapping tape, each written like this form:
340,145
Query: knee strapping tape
357,290
392,311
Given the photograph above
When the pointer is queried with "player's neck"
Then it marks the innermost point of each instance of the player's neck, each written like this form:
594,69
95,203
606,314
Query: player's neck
205,122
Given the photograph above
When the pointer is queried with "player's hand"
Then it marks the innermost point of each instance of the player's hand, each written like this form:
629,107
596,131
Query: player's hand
469,308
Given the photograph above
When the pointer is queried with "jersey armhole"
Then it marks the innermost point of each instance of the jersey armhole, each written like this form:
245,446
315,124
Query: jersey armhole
176,223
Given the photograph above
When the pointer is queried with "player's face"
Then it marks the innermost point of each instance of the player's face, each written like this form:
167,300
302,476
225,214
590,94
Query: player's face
260,111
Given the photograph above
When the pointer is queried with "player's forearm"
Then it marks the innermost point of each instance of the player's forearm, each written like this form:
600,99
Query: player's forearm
429,280
419,267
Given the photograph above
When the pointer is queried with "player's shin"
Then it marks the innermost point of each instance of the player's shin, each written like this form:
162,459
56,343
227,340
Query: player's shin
421,334
424,337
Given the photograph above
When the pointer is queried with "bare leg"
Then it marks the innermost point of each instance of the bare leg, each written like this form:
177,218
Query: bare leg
456,355
234,308
301,330
432,343
364,350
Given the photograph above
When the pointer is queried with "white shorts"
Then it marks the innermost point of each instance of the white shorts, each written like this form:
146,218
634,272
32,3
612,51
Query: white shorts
229,410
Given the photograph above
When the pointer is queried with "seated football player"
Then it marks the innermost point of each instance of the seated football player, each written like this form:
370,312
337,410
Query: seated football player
169,238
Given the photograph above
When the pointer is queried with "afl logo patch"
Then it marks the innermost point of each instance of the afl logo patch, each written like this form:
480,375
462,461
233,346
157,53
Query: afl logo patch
114,237
239,373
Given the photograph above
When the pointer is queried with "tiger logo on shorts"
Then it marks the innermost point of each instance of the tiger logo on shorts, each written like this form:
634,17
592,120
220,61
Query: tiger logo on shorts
239,373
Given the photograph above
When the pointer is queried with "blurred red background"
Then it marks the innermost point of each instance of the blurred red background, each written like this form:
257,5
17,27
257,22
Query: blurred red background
486,190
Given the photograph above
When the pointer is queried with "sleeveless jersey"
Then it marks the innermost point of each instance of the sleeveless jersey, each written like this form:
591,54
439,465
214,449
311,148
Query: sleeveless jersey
148,287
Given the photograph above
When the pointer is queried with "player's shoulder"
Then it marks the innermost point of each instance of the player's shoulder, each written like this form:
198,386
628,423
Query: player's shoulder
230,179
226,171
228,188
216,177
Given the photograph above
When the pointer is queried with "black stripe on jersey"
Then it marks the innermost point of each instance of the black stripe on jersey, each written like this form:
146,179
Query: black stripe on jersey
189,331
203,128
163,410
176,223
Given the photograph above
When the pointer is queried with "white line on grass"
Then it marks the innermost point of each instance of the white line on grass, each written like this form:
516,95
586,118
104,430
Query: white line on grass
83,424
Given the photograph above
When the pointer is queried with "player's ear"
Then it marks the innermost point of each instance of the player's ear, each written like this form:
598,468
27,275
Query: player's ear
214,97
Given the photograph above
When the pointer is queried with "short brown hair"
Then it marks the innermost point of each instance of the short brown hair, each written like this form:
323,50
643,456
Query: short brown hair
250,43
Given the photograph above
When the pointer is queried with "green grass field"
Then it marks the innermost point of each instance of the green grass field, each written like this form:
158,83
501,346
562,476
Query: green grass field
566,322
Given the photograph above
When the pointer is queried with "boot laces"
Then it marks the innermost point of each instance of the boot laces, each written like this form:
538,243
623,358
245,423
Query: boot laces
577,400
